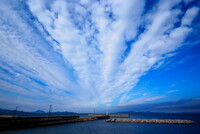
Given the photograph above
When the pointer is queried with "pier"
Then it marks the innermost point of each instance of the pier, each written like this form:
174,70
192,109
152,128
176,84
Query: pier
110,115
7,122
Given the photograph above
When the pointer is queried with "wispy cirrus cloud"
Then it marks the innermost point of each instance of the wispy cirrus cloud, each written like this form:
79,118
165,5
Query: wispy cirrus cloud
86,53
142,100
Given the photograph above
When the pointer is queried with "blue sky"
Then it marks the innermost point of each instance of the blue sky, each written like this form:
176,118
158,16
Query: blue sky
83,54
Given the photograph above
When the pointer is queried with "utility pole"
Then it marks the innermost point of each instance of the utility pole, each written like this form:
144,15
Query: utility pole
15,111
50,110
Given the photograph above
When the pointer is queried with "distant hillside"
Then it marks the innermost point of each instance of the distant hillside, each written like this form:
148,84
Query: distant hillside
134,112
149,112
35,113
39,111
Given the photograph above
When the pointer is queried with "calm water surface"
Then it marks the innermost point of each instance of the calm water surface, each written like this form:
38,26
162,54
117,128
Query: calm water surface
102,127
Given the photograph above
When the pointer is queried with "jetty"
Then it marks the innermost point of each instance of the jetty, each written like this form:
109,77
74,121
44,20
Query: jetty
110,115
8,122
167,121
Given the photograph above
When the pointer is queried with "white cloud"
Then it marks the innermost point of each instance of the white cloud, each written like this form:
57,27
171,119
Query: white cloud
189,15
142,100
172,91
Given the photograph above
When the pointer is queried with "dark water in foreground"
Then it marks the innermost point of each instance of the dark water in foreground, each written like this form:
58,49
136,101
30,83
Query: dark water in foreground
102,127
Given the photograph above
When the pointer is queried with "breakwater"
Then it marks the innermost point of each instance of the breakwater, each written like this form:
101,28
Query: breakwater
27,122
168,121
110,115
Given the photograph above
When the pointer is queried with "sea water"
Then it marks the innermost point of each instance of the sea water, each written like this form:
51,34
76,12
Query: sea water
103,127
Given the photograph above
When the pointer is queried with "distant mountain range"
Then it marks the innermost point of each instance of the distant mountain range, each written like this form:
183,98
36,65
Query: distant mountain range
134,112
149,112
39,111
58,113
35,113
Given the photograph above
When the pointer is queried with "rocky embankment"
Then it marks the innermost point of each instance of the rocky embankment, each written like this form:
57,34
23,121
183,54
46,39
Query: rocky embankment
151,121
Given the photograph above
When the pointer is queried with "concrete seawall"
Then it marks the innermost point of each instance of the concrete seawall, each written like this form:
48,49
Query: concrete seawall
151,121
110,115
27,122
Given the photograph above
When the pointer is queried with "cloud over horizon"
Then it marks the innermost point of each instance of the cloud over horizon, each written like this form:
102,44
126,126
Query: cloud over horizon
86,53
183,105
